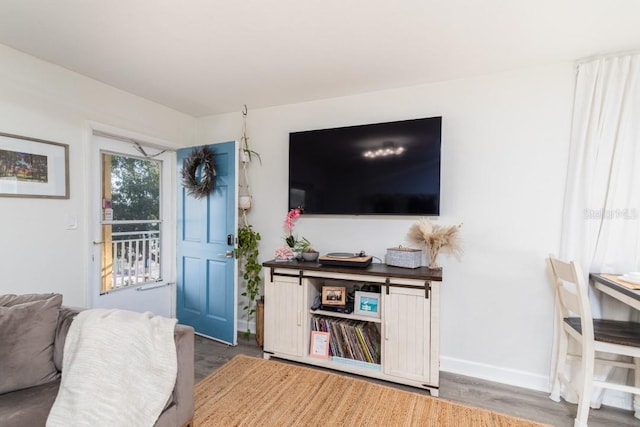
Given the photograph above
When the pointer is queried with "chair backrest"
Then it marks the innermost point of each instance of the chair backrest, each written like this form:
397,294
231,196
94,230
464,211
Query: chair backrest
572,295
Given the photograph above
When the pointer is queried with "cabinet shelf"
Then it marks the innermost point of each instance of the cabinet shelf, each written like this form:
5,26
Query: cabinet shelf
358,363
345,315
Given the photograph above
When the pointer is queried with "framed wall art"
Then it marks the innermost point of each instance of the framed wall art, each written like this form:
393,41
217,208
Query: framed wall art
334,295
320,344
367,304
31,167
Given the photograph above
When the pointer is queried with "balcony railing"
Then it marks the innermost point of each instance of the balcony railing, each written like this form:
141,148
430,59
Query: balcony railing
136,258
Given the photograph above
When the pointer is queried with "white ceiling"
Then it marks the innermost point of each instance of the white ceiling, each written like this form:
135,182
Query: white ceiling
206,57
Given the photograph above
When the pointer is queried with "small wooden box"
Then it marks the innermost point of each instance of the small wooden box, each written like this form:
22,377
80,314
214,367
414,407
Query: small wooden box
404,257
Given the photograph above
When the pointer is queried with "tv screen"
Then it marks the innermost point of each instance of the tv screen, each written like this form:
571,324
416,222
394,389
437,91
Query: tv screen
376,169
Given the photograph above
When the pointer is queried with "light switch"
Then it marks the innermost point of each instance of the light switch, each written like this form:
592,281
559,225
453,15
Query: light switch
72,222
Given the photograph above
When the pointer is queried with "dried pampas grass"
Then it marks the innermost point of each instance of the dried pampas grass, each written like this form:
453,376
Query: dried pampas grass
436,238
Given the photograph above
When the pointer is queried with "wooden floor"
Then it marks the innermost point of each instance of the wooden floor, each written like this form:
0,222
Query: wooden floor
524,403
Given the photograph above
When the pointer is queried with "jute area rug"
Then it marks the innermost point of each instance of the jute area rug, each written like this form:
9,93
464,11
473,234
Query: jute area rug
248,391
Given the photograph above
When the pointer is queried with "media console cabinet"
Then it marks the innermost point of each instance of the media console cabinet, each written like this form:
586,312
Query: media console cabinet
407,328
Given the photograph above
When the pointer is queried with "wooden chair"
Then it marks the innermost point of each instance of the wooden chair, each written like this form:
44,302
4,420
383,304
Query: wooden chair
617,338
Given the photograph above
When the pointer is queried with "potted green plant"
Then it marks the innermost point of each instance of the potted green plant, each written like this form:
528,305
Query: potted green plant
246,152
308,252
247,252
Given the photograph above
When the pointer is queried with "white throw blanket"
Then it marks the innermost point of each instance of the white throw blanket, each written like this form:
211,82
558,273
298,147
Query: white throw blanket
119,369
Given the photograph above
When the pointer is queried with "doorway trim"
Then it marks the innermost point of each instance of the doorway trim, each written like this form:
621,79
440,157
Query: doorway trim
91,212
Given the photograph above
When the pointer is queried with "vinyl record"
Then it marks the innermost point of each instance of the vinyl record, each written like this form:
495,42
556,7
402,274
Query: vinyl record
341,255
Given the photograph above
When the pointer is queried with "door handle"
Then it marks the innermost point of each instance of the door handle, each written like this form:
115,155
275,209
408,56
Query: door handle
227,254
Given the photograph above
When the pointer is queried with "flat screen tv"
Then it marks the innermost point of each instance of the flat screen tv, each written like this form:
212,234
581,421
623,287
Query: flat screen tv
376,169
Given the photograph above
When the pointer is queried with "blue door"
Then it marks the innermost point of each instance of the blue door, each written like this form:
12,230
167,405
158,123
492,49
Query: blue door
206,267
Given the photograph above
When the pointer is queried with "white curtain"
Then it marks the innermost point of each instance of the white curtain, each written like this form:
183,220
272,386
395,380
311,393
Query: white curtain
601,218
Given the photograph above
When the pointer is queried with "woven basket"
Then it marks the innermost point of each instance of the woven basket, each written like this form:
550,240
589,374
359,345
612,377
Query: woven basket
260,321
404,257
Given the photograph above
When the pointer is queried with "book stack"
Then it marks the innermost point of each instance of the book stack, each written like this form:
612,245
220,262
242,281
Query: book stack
350,339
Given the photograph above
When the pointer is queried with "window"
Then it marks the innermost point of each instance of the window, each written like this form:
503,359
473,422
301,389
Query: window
131,221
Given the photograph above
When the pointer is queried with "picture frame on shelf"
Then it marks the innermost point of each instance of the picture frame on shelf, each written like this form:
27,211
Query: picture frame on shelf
367,304
31,167
334,295
320,344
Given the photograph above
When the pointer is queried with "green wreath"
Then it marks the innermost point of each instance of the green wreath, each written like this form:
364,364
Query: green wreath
199,157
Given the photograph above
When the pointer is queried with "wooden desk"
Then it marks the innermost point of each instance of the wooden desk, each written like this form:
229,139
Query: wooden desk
620,292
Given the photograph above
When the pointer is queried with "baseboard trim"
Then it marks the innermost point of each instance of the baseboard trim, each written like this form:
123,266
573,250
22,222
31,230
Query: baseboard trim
516,378
243,325
512,377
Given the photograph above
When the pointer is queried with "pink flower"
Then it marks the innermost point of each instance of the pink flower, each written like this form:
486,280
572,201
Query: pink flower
291,217
289,223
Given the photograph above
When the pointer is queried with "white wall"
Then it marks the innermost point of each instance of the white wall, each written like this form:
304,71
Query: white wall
505,147
37,99
505,144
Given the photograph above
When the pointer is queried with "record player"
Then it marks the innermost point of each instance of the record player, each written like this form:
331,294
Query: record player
346,259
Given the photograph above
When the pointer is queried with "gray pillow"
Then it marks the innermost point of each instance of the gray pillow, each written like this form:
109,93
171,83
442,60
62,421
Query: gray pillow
65,318
10,300
27,332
